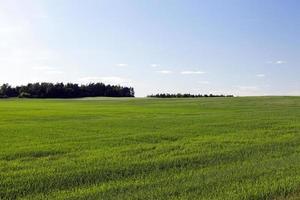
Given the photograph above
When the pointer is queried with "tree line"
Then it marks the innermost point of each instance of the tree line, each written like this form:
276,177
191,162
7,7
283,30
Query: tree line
179,95
61,90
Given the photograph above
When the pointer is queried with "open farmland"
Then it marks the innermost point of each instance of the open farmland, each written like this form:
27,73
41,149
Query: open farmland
206,148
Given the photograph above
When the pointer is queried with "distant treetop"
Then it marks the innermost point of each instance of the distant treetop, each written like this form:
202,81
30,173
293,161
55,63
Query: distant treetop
61,90
167,95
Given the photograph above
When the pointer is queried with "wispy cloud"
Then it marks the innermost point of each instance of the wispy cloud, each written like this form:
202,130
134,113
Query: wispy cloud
90,79
192,72
204,82
41,16
154,65
114,80
48,70
122,65
277,62
11,29
164,71
247,88
280,62
54,72
42,68
260,75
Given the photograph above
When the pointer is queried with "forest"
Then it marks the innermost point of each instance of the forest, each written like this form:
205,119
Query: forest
61,90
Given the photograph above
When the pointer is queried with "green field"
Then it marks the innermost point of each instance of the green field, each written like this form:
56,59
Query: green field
207,148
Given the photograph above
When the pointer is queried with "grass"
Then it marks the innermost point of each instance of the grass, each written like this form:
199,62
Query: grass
210,148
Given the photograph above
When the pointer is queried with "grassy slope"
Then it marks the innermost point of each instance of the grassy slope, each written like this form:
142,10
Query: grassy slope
215,148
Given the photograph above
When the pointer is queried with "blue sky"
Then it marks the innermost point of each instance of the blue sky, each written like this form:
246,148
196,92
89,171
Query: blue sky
240,47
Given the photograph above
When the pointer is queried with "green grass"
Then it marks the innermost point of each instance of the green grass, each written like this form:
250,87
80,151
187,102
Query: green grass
210,148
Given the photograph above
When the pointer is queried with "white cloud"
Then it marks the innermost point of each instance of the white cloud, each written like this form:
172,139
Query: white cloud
122,65
248,88
114,80
24,57
260,75
154,65
278,62
11,29
43,68
204,82
48,70
54,72
192,72
164,71
41,16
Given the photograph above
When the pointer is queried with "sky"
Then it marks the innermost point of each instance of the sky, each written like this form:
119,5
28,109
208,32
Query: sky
240,47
